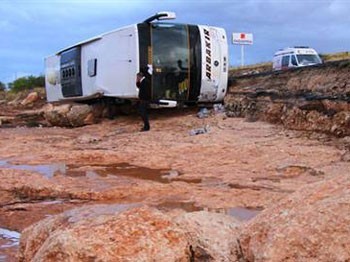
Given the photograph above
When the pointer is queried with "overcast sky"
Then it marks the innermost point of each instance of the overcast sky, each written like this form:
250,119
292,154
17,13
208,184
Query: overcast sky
33,29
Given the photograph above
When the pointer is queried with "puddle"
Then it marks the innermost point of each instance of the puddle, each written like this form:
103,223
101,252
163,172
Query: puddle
11,238
86,212
243,213
96,171
125,170
9,245
47,170
131,171
186,206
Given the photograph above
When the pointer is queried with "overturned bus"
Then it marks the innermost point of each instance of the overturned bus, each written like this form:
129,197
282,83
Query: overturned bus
187,63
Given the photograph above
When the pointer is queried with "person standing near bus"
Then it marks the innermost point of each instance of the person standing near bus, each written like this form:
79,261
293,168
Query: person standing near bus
143,83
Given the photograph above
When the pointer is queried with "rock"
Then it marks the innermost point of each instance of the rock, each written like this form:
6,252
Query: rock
55,115
78,114
341,126
31,98
69,115
203,113
346,156
6,119
213,236
312,224
198,131
87,139
15,101
130,233
89,119
274,112
105,233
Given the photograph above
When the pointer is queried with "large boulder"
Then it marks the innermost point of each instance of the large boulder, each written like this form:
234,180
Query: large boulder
69,115
131,233
105,233
312,224
30,99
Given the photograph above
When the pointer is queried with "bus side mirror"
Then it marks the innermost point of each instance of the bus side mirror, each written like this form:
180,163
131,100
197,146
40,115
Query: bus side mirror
166,15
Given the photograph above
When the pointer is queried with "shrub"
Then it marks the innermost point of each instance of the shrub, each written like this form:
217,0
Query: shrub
2,86
25,83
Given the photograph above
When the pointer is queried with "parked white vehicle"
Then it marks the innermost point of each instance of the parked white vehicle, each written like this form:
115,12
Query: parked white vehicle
295,57
187,63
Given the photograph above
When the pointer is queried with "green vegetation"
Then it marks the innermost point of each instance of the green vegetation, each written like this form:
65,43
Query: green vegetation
2,86
26,83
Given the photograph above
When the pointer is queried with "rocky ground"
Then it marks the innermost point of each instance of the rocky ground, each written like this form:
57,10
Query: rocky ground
214,185
309,98
269,187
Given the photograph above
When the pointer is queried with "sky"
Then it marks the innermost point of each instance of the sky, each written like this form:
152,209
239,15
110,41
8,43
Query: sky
34,29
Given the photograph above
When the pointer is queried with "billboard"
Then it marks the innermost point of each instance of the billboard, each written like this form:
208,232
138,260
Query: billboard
242,38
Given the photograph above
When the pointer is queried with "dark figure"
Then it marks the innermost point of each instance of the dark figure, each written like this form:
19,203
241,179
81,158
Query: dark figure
144,86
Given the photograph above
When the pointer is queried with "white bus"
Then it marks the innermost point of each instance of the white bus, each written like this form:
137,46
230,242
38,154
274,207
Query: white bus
187,63
298,56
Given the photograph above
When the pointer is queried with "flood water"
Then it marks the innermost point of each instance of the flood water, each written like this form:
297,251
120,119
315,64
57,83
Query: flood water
9,242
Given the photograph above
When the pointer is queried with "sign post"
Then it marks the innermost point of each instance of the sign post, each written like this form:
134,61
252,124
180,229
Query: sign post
242,39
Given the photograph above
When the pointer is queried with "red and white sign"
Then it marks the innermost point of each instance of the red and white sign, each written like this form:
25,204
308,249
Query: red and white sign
242,38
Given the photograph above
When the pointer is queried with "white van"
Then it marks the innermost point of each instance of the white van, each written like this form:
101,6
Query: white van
298,56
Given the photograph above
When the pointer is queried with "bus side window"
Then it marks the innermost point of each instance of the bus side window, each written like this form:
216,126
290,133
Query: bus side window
294,61
285,62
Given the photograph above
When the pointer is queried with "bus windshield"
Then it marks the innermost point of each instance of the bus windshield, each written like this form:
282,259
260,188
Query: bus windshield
171,58
174,51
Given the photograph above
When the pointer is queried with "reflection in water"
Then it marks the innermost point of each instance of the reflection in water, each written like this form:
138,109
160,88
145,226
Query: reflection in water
98,171
121,169
12,238
46,170
86,212
186,206
243,213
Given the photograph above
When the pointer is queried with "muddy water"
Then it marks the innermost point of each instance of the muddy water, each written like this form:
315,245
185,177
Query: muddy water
243,213
124,170
186,206
9,242
120,169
